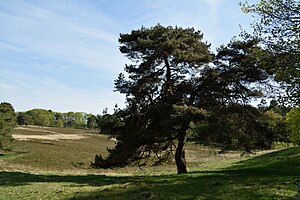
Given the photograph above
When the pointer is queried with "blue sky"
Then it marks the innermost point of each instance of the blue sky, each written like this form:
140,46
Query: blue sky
63,54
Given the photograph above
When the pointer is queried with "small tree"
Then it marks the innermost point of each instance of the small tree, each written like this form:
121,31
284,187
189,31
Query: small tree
41,117
293,123
108,123
58,120
7,124
23,118
92,122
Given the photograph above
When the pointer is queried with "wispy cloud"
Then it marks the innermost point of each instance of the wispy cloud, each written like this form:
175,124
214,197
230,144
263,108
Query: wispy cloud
48,93
50,34
200,14
63,55
218,19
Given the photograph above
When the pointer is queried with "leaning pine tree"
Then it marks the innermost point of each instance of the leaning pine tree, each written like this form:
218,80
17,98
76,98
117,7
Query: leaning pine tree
161,102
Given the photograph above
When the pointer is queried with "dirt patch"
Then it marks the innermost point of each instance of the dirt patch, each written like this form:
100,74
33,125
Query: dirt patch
49,137
35,130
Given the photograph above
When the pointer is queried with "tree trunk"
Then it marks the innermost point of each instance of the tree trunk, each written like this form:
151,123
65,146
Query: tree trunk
180,150
168,84
180,153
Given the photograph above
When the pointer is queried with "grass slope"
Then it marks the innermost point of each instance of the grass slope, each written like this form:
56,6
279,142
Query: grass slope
268,176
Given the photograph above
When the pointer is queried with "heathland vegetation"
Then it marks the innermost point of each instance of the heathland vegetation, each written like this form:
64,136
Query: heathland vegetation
59,168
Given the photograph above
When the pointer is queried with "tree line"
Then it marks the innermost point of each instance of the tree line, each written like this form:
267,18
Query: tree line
49,118
9,119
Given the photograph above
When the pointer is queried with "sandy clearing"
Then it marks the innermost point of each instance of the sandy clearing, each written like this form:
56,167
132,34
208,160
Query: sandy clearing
36,130
49,137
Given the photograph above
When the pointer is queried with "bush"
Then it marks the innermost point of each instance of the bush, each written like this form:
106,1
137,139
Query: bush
281,145
293,124
7,124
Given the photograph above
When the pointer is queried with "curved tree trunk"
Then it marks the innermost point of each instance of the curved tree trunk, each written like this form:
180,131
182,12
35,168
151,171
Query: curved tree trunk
180,152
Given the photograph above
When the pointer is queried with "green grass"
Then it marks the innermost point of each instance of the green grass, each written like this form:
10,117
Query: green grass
23,176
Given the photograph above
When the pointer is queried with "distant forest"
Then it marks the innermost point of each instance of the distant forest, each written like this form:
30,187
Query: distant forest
49,118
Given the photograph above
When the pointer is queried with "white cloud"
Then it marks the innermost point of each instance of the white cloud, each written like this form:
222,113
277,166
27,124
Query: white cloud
63,55
49,34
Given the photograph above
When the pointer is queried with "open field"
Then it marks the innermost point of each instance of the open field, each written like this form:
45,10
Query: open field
43,168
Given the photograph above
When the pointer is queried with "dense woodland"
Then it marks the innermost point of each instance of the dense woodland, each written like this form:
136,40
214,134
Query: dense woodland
177,90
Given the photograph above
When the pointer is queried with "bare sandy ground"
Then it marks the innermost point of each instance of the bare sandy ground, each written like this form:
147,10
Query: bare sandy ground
50,136
36,130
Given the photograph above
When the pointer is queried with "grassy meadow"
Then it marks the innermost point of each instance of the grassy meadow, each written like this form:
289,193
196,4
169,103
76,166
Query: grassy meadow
52,163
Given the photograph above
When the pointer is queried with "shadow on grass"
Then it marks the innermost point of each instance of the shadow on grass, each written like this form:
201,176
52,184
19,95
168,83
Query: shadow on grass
269,176
20,178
